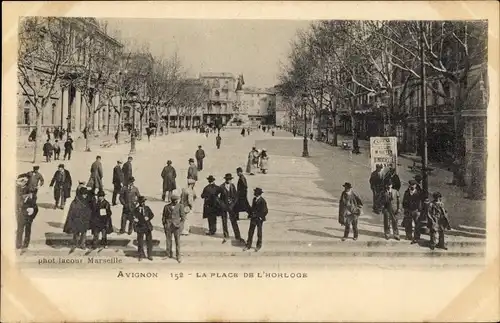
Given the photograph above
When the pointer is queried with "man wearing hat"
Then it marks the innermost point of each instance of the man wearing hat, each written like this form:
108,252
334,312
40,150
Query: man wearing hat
47,150
200,155
376,185
26,213
412,206
127,171
418,179
437,221
173,222
78,218
129,196
142,216
192,173
117,180
101,220
229,198
389,203
392,176
188,196
211,204
168,174
34,180
349,210
242,204
218,141
95,179
61,181
68,148
257,217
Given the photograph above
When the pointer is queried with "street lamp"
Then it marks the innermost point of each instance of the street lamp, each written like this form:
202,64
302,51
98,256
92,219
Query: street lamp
132,132
305,151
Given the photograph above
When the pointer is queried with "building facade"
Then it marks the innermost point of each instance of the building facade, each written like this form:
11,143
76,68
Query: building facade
220,96
260,104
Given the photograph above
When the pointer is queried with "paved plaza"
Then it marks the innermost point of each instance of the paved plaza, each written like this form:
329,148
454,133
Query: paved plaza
302,196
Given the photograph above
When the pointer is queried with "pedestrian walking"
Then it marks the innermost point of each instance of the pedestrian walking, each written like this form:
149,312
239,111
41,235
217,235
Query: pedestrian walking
129,197
389,203
229,198
188,196
56,133
68,148
253,160
48,150
243,132
242,204
116,137
96,175
311,136
192,172
218,141
350,206
78,219
84,133
412,207
61,181
257,218
173,221
377,186
57,149
168,174
27,209
34,181
117,181
200,155
437,222
248,131
211,205
101,222
127,171
48,134
264,161
142,216
272,132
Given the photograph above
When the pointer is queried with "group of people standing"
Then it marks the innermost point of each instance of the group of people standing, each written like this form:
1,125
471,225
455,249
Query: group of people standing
418,210
54,149
257,159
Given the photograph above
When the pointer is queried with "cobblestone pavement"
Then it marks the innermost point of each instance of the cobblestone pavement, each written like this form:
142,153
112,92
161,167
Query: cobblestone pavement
302,195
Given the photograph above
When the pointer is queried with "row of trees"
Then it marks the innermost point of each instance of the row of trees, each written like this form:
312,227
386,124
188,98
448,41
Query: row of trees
333,64
56,53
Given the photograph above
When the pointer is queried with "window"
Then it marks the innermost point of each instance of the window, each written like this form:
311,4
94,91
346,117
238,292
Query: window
27,113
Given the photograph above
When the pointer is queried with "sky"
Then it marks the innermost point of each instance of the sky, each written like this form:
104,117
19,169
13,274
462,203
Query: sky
253,48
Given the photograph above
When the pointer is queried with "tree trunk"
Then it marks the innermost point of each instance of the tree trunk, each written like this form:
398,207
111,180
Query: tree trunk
38,138
335,140
168,123
141,116
355,143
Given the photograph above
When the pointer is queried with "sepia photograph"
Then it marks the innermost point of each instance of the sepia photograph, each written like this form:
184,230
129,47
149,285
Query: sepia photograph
204,152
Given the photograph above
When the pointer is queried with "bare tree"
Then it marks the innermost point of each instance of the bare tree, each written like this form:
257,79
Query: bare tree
45,56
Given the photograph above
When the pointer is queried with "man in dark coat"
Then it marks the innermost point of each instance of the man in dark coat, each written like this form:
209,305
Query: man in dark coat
34,180
142,216
68,148
389,203
192,172
127,170
117,181
242,204
393,178
212,204
229,198
95,179
173,220
61,181
257,218
350,205
200,155
129,196
168,174
412,206
27,210
47,150
218,141
376,185
437,221
78,219
101,220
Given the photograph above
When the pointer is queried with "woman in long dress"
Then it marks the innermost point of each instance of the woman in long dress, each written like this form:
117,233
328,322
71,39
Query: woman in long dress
264,161
249,162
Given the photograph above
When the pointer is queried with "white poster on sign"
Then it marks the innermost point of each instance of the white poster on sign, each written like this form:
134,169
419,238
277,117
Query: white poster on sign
384,151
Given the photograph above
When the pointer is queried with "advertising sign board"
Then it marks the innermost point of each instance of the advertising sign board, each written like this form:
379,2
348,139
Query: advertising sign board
384,151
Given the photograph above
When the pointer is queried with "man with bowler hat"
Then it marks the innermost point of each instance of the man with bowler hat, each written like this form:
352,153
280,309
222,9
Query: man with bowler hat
142,216
61,181
26,213
349,210
200,155
257,218
127,170
212,204
117,180
100,222
412,206
129,196
173,222
242,204
229,198
389,203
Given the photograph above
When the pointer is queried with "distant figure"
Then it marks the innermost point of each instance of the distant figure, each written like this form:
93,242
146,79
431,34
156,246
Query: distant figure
61,181
68,148
243,132
311,136
57,150
192,173
32,136
116,137
188,196
248,131
168,175
272,132
47,151
218,141
84,133
264,161
200,155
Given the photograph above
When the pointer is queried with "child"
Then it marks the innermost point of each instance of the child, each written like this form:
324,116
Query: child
437,221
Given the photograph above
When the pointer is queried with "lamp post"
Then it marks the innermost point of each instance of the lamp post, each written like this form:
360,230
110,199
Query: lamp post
305,151
132,132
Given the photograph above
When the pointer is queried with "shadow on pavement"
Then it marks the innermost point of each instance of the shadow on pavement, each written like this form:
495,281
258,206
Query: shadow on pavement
61,240
323,199
57,225
200,231
44,205
315,233
363,232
